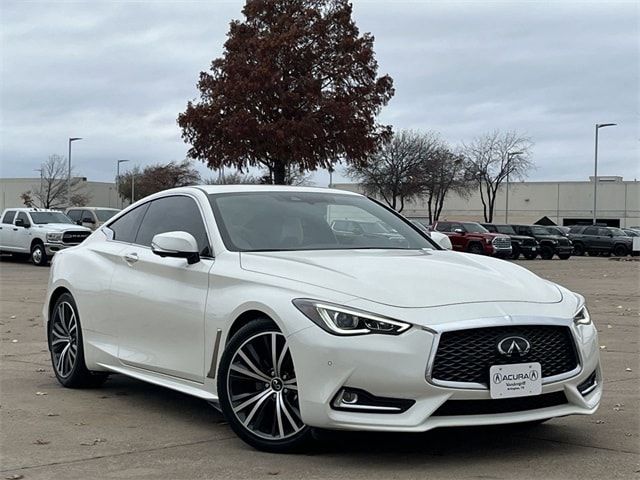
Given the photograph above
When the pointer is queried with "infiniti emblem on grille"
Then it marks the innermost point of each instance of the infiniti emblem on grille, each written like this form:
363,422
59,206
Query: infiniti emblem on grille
514,345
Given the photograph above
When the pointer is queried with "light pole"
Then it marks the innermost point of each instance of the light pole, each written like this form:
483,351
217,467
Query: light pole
71,139
595,168
118,180
506,207
133,185
39,170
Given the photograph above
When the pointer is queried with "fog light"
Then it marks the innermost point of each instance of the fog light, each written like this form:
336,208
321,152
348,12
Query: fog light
349,397
358,400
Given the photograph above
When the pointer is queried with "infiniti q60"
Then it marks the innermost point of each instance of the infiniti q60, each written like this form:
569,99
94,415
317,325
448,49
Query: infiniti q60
250,298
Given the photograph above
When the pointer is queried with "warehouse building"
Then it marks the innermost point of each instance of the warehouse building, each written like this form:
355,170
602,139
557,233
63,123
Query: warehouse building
100,194
560,203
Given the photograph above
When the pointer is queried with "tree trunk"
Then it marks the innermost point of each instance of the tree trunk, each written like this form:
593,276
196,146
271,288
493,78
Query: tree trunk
279,173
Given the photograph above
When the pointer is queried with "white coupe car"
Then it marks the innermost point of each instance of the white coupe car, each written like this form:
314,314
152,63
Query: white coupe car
245,296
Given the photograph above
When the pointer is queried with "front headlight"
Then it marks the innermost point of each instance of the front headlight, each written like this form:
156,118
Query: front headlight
54,237
582,316
346,321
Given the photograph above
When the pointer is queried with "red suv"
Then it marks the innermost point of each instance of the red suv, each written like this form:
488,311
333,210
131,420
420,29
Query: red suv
474,238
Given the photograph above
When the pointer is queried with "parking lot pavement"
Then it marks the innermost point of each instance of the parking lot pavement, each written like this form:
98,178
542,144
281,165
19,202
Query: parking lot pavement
128,429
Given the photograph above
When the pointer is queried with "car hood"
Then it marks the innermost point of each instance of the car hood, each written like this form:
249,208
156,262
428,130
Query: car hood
61,227
521,237
407,278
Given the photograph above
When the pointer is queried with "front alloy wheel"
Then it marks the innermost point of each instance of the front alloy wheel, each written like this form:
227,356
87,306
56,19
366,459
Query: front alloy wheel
259,391
39,255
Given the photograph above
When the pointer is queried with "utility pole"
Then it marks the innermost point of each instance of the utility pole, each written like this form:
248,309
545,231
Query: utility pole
71,139
595,168
506,207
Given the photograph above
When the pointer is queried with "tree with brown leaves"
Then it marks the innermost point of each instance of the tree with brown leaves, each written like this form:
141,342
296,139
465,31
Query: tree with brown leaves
296,89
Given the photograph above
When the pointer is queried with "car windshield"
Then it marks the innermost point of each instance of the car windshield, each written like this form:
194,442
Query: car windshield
282,221
370,227
506,229
104,215
541,231
471,227
40,218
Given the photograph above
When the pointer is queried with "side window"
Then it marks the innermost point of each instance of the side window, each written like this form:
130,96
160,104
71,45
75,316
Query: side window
87,214
604,232
125,228
74,215
491,228
9,216
590,231
575,229
23,216
171,214
455,226
443,227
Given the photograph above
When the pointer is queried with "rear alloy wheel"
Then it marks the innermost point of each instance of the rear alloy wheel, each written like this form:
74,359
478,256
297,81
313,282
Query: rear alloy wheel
258,389
39,255
475,248
620,251
65,345
546,252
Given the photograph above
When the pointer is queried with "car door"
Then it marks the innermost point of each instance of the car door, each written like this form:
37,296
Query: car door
21,235
458,240
6,229
88,219
161,301
591,238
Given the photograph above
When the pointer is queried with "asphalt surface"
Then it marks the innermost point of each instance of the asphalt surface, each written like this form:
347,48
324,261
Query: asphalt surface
128,429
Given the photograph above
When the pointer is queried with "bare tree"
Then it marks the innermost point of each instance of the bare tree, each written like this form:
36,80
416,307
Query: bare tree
155,178
491,159
52,192
395,172
443,171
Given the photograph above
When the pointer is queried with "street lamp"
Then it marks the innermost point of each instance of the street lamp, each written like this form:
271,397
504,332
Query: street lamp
595,168
506,208
118,180
41,174
71,139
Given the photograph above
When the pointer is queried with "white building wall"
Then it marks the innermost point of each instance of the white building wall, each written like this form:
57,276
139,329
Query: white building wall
530,201
101,194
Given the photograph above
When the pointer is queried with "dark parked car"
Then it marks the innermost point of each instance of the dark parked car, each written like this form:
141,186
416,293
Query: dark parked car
474,238
593,239
631,233
550,243
520,244
558,230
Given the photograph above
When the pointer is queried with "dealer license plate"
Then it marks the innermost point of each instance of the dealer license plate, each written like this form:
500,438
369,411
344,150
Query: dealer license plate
516,380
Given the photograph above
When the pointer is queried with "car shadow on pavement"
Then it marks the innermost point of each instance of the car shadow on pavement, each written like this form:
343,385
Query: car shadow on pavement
470,442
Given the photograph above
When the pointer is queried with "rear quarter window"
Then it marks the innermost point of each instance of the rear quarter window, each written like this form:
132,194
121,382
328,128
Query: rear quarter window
126,227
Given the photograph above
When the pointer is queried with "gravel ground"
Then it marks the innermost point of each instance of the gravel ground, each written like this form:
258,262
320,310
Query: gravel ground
128,429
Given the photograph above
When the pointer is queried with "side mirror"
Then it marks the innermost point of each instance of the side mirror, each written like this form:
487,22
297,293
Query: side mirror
88,220
458,230
176,245
21,223
442,240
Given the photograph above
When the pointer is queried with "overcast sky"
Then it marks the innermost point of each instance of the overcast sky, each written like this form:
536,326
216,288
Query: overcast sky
118,73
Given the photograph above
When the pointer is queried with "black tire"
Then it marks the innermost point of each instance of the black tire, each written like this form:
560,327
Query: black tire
564,256
578,249
71,371
546,252
620,250
515,252
475,248
530,255
249,423
39,255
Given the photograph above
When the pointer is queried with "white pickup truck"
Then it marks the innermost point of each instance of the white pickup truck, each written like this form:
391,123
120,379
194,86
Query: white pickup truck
38,233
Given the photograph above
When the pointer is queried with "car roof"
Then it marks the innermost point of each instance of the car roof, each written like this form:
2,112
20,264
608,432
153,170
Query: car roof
210,189
94,208
32,209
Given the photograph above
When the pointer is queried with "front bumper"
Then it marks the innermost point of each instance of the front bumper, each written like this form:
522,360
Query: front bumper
397,367
51,248
564,249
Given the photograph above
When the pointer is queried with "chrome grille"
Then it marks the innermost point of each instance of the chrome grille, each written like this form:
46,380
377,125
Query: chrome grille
502,242
467,355
74,237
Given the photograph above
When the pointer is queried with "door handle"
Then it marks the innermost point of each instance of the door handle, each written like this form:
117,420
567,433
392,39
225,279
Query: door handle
15,229
131,258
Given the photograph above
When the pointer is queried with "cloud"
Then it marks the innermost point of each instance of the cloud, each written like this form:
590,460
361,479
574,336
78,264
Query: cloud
118,73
